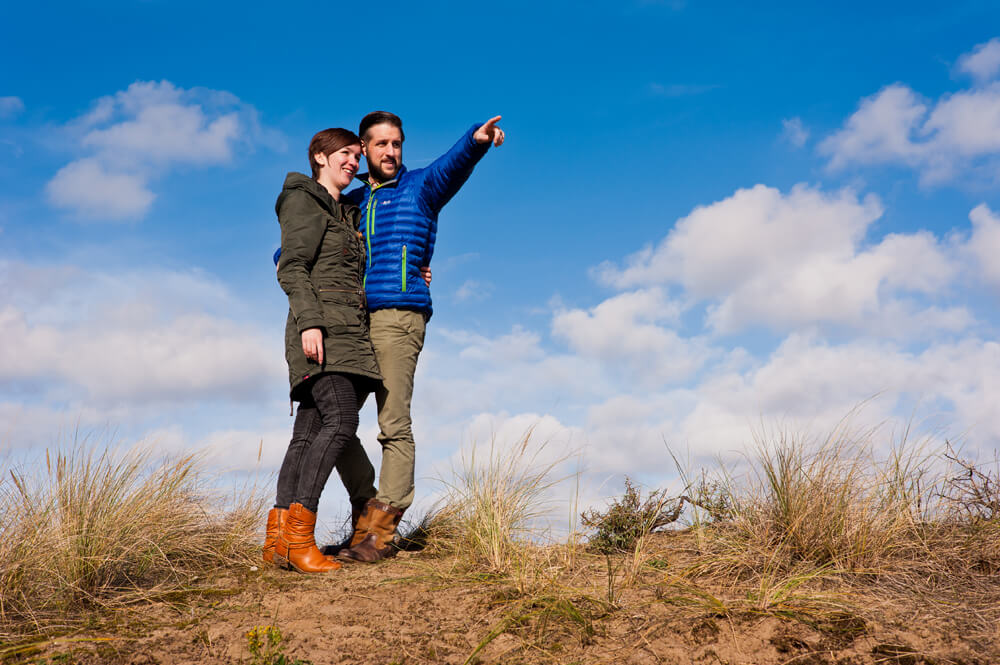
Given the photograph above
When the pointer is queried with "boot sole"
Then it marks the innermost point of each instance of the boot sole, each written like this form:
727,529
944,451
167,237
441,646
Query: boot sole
292,566
285,564
348,559
348,556
344,557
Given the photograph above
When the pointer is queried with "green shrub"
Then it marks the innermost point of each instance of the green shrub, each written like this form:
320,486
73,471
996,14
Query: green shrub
630,518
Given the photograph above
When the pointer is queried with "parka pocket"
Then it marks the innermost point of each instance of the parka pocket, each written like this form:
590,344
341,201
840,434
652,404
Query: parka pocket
337,295
342,311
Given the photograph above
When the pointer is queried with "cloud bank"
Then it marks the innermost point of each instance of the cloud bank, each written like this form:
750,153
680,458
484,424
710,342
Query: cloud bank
940,139
137,135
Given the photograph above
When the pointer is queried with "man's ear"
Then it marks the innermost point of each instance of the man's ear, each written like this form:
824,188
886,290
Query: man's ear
364,149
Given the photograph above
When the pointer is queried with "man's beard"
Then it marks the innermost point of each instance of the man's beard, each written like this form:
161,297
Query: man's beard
378,175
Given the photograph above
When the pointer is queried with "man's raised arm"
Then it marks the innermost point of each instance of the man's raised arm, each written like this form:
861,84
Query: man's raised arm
446,175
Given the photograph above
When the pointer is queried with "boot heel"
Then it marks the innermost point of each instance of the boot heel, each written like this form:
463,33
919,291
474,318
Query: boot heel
281,562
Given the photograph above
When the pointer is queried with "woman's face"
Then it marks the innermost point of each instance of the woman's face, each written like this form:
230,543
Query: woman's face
340,166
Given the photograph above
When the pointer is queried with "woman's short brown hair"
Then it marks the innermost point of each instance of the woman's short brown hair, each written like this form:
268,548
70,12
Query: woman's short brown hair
329,141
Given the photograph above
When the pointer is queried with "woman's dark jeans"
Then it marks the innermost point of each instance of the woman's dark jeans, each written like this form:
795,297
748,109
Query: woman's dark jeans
326,422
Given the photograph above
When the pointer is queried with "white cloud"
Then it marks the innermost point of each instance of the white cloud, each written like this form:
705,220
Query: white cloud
805,386
966,375
808,386
474,387
461,373
227,450
959,132
161,123
138,134
811,384
966,123
879,131
10,106
878,322
34,425
628,330
519,345
131,339
714,248
473,290
793,131
984,243
983,63
782,261
87,187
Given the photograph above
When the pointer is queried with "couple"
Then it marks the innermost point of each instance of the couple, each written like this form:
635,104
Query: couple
355,268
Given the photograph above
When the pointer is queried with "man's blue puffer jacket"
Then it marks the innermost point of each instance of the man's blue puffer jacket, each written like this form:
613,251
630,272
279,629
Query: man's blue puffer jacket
399,220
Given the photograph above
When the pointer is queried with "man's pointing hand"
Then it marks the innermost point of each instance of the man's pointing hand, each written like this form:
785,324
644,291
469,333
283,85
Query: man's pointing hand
490,132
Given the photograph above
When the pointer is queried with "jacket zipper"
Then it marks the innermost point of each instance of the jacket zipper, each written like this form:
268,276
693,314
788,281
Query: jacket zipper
370,219
404,268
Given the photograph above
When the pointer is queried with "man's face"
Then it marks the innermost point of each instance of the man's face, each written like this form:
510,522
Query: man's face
384,150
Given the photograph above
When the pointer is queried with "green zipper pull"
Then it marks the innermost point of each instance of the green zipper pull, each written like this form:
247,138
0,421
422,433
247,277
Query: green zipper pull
372,204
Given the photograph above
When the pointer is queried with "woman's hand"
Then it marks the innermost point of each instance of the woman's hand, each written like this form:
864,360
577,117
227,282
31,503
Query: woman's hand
312,344
425,272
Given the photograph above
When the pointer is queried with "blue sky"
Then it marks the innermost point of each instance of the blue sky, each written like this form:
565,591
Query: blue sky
705,216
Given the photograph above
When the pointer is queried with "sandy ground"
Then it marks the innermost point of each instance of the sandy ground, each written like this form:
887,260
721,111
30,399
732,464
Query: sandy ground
420,609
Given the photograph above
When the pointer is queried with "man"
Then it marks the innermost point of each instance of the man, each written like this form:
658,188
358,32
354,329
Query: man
399,218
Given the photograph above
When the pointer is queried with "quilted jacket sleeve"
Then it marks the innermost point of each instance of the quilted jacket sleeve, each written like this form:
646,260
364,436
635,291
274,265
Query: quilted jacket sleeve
446,175
303,223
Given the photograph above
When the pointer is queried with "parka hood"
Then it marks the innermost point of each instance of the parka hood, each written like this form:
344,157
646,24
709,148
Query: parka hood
295,180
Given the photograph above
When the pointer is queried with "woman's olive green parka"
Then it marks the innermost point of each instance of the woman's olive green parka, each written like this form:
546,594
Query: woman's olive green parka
321,269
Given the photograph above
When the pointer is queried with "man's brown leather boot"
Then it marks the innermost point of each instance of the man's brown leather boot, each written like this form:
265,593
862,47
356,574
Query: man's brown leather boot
359,528
377,544
275,520
295,546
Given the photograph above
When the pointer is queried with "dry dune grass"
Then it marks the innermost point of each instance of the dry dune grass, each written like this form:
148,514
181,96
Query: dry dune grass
837,534
862,545
837,504
493,505
843,507
105,528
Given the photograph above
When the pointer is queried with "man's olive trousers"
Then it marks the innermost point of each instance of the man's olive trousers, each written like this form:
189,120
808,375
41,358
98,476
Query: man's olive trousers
398,337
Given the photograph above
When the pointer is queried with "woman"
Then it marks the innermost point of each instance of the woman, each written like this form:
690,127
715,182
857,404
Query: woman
331,364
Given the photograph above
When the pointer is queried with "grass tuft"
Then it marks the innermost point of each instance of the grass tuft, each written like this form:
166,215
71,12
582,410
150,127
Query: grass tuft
834,504
102,529
493,506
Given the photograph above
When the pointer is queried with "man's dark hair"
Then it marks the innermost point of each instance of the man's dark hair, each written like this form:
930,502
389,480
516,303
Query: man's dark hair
329,141
377,118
